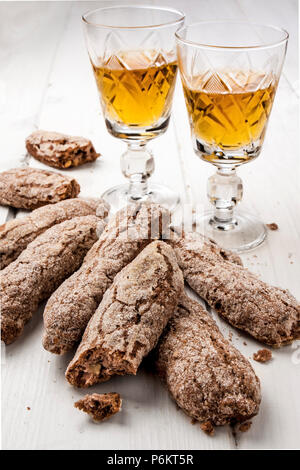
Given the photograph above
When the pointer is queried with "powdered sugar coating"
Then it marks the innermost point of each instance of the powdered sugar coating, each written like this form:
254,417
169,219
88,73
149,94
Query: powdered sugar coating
131,317
207,377
70,308
39,270
16,234
100,406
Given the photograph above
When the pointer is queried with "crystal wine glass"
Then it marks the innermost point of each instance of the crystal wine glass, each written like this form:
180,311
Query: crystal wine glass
230,72
133,54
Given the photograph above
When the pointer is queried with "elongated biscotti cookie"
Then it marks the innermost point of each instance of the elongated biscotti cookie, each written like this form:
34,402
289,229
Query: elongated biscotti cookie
130,319
269,314
30,188
60,150
39,270
206,376
70,308
16,234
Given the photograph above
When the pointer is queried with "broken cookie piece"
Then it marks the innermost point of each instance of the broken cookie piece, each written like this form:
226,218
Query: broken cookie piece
206,375
71,306
16,234
40,269
263,355
30,188
272,226
208,428
100,406
60,150
130,319
269,314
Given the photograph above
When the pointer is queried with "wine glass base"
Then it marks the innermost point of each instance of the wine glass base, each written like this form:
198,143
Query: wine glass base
119,196
245,233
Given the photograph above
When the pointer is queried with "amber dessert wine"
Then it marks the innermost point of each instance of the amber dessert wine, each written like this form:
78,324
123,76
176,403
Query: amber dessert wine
229,113
136,88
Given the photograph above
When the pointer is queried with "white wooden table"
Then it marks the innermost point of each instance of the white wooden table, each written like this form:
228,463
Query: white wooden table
46,82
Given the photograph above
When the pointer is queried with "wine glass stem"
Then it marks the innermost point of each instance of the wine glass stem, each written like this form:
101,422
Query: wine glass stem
224,190
137,164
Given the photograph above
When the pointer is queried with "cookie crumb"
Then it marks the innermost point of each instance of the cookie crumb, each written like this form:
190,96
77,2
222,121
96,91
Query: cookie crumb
208,428
193,421
244,343
272,226
244,427
262,355
28,408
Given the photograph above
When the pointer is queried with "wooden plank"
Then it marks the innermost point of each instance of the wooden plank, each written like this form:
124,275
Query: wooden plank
25,62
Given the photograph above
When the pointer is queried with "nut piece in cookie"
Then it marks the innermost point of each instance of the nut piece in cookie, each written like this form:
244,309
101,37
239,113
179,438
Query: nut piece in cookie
60,150
262,355
207,377
30,188
130,319
100,406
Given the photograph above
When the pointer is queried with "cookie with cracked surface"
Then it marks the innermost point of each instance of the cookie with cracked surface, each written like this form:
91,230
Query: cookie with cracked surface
100,406
70,308
130,319
30,188
269,314
39,270
60,150
206,376
16,234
